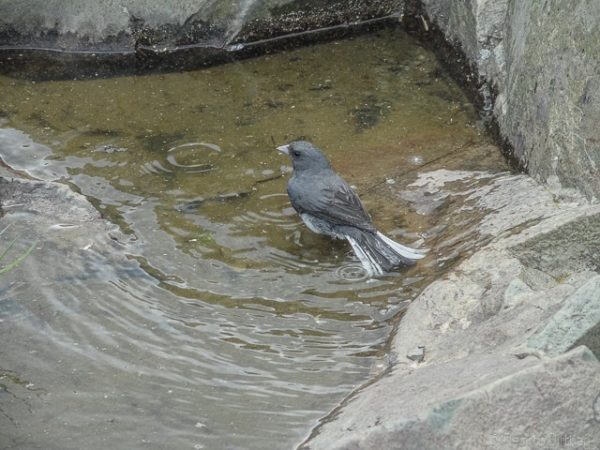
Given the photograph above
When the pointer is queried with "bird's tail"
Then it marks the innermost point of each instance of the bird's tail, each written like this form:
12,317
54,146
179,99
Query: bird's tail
379,254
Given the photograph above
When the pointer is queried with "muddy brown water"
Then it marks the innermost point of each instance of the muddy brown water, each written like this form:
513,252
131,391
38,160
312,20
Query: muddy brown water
228,324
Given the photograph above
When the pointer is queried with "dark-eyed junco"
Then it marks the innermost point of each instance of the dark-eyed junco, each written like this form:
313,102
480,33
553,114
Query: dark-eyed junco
327,205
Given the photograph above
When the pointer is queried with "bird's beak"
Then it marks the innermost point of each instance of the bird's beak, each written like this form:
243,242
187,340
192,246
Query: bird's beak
284,149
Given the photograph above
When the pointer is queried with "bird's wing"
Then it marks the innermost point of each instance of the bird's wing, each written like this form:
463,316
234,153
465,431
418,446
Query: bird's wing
336,202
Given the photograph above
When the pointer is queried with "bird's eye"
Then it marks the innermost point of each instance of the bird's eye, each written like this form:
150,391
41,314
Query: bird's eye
296,153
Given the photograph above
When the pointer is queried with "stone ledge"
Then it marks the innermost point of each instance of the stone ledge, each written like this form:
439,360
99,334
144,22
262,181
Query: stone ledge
573,323
42,39
522,405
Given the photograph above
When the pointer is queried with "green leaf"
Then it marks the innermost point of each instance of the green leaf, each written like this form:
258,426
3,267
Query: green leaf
17,261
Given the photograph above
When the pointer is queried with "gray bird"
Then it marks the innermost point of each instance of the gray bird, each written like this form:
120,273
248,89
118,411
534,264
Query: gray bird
327,205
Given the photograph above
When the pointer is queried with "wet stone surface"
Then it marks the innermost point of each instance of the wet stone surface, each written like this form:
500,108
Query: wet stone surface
174,299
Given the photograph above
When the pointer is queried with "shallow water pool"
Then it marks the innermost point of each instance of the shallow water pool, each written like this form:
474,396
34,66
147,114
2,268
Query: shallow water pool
219,320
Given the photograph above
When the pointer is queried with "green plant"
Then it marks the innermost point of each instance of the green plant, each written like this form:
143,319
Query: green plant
14,263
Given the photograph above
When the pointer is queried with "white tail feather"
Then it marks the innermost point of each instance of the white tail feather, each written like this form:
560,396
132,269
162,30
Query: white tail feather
407,252
370,265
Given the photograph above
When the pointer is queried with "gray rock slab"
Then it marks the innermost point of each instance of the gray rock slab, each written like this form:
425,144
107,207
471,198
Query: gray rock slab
475,403
552,61
542,59
577,317
61,222
571,247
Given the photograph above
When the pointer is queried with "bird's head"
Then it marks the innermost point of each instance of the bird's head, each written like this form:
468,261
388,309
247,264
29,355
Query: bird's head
305,156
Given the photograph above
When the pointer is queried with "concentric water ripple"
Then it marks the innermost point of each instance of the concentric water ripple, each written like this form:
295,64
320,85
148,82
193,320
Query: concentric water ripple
176,156
353,272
